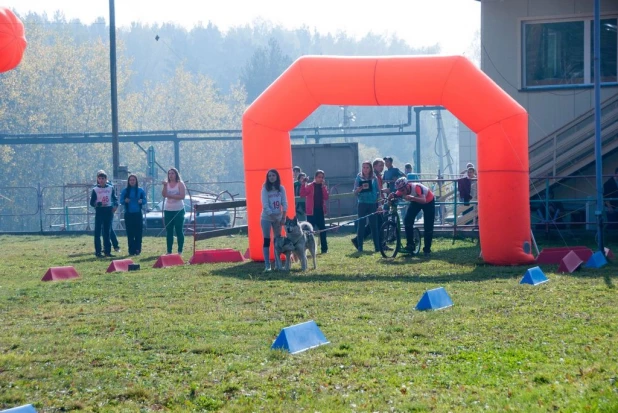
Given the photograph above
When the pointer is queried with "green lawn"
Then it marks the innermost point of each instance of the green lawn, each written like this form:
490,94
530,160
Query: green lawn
198,338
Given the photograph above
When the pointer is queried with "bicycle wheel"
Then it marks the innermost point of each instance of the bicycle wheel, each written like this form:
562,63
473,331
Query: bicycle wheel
416,235
390,239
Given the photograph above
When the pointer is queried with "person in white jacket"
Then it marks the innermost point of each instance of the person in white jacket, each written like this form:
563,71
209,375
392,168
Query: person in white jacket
274,207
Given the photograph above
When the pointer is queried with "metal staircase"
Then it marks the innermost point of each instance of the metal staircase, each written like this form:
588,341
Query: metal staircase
568,149
571,147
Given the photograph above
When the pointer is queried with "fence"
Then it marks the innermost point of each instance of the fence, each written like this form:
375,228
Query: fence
64,208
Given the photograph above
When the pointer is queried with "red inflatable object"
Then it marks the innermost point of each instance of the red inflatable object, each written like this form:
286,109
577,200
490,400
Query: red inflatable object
12,40
60,273
119,265
214,256
500,123
169,260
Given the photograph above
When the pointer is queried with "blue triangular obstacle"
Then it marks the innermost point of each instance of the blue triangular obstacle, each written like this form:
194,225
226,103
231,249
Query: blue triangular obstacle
26,408
300,337
534,276
434,300
597,260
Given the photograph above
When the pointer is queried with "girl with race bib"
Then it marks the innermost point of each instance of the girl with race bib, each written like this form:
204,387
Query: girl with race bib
274,207
173,192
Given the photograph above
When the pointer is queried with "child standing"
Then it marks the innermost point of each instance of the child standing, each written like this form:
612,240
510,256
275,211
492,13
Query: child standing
274,207
316,195
133,197
174,191
103,199
367,191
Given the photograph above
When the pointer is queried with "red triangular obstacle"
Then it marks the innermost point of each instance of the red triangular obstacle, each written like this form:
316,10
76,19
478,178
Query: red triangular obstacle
169,260
216,255
119,265
555,255
60,273
570,263
609,254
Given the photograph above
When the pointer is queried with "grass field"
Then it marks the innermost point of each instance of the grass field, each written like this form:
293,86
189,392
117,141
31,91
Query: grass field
197,338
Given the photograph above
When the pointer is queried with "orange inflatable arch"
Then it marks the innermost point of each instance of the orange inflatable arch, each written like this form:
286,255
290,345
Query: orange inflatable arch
500,123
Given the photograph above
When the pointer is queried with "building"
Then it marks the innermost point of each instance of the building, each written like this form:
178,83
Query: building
540,52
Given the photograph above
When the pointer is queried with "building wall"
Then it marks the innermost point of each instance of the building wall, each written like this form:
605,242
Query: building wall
501,59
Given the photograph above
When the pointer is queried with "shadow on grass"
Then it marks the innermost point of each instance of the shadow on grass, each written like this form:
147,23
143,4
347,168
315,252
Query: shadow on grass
419,269
82,254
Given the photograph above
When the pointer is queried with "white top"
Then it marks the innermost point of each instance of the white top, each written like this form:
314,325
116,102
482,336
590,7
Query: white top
104,195
173,204
273,203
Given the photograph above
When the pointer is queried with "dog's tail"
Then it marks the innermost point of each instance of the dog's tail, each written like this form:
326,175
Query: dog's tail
306,227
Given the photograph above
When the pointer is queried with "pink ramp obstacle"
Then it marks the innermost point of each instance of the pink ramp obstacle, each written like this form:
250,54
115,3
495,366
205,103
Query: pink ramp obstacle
60,273
119,265
216,255
169,260
570,263
555,255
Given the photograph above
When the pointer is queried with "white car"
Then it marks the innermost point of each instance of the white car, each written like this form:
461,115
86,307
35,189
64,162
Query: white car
204,220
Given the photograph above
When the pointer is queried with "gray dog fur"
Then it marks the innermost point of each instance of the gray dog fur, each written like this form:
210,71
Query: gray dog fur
298,239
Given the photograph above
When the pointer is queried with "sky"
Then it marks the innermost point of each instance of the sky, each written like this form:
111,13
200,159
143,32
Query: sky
452,23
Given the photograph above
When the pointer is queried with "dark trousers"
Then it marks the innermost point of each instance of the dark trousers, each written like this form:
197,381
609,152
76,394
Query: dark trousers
317,220
133,224
429,214
364,210
102,224
367,227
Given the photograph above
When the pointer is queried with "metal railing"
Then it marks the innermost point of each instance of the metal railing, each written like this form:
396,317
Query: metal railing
27,210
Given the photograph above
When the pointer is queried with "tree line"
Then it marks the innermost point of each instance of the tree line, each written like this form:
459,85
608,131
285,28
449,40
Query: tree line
169,78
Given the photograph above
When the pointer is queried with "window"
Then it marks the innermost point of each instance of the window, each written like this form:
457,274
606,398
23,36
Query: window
560,54
609,51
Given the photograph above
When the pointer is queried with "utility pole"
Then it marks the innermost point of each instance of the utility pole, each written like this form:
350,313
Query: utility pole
114,89
597,122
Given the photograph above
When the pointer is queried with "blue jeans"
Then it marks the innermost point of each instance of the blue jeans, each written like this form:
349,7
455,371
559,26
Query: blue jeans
363,210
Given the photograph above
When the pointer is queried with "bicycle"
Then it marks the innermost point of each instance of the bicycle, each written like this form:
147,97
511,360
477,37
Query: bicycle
390,232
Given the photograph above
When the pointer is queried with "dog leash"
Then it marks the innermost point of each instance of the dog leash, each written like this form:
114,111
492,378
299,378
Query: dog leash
345,223
382,201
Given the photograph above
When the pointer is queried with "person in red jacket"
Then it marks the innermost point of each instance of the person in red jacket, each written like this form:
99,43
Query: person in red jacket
421,198
316,195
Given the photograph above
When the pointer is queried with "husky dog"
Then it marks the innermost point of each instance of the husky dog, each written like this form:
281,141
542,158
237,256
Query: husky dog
299,238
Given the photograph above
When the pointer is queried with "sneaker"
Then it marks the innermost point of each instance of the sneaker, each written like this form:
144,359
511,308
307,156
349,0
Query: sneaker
427,254
99,255
410,249
117,249
354,243
110,255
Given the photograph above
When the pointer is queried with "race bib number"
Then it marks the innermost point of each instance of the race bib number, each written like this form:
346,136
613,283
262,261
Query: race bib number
104,196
